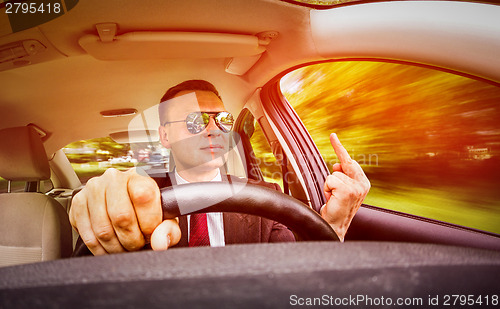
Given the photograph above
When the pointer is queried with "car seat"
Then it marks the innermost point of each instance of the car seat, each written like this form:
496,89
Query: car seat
33,226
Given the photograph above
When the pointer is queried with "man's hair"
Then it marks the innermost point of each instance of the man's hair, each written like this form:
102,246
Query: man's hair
189,85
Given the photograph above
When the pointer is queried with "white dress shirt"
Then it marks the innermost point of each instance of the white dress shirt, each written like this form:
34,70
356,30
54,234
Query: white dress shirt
215,222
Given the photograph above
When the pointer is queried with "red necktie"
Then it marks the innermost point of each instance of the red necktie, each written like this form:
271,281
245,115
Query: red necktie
198,230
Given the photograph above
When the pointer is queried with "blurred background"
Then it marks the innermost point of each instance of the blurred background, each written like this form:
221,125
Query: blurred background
429,141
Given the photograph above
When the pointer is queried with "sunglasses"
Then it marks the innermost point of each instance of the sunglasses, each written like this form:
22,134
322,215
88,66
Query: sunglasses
198,121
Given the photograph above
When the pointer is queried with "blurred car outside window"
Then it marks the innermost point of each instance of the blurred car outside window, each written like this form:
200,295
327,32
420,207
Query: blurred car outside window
93,157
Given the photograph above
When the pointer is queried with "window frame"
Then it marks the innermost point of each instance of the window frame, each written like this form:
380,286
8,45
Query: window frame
313,169
252,168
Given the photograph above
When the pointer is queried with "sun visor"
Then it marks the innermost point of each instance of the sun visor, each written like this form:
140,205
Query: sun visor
170,45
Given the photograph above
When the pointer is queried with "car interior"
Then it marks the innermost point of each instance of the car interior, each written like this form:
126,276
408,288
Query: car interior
93,69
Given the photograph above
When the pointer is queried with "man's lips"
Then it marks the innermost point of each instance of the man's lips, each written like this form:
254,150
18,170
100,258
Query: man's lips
212,147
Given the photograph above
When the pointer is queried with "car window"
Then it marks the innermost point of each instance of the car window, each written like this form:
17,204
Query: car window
264,157
429,141
93,157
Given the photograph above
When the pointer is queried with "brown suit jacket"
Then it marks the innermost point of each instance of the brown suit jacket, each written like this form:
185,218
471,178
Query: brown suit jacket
238,228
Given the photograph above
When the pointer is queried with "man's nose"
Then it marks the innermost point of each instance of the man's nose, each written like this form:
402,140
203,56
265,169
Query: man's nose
212,127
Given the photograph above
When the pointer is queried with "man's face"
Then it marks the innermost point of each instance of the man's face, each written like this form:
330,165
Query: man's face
204,151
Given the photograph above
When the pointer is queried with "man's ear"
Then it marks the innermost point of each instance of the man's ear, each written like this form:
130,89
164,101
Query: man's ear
164,137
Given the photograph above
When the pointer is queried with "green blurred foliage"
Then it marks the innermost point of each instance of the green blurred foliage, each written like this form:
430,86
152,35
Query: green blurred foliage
418,134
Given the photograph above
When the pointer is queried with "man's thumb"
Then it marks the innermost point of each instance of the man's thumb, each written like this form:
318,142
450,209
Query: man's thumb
166,235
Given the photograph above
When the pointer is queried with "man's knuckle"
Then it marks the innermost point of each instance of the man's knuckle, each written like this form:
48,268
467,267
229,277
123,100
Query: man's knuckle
353,193
330,181
142,194
124,220
105,233
112,172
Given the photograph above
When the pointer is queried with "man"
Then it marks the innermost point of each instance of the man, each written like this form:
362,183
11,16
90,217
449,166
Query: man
121,211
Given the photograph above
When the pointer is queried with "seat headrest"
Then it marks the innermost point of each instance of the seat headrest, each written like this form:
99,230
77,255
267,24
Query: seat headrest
22,155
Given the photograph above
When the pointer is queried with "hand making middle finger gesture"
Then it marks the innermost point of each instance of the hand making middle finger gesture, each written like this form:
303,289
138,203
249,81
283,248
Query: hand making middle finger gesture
345,189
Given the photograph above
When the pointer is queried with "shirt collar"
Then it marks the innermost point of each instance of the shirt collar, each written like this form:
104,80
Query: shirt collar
181,181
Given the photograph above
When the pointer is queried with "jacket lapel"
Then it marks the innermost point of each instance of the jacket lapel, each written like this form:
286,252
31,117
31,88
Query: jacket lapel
184,232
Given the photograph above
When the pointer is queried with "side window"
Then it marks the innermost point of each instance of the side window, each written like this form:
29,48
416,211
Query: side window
428,141
268,164
263,163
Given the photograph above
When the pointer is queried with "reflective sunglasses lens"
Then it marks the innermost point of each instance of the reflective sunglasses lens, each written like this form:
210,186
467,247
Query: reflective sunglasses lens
195,122
224,121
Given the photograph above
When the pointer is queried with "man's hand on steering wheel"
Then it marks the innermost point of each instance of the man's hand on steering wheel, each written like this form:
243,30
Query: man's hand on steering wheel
121,211
345,189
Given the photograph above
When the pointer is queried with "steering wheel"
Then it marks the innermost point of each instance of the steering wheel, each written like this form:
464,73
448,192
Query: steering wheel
248,199
242,198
